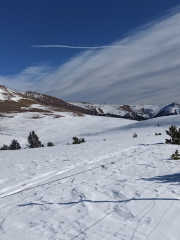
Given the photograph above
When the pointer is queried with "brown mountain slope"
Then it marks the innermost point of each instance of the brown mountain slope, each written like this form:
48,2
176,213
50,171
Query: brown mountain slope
56,102
13,101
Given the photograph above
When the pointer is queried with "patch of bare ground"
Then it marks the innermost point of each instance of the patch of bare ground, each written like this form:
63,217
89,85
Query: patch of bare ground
126,108
8,116
36,117
53,115
20,106
57,116
24,105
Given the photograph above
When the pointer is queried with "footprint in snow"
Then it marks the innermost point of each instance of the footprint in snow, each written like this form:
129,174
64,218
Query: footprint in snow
145,220
124,213
138,194
117,194
19,166
75,193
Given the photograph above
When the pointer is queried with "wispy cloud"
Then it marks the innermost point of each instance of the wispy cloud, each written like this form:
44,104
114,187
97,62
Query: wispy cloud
143,69
78,47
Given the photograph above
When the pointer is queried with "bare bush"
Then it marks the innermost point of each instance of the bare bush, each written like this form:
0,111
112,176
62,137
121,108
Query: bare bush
135,135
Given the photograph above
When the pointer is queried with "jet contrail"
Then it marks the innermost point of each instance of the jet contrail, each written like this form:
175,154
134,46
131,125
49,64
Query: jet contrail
65,46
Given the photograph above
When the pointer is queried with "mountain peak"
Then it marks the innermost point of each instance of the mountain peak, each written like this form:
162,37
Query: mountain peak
175,104
7,94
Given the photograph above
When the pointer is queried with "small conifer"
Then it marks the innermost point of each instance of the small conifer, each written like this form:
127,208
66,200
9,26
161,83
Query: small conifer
50,144
5,147
78,140
174,133
33,141
157,134
176,155
14,145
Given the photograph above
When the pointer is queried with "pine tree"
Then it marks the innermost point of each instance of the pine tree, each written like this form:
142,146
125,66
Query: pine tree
174,133
78,140
5,147
82,140
50,144
75,140
14,145
176,155
34,141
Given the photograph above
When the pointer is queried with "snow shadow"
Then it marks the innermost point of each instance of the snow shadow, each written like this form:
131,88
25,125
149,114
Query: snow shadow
151,144
170,178
90,201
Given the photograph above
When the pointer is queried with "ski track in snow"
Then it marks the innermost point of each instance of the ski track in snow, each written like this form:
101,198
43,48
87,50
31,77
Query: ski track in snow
120,187
113,212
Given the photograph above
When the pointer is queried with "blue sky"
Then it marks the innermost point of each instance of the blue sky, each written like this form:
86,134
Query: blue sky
135,28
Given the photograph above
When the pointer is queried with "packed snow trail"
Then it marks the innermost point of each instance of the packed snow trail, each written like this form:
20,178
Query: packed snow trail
69,176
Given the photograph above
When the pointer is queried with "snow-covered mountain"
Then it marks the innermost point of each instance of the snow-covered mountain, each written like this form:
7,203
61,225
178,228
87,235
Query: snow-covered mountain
7,94
11,101
136,112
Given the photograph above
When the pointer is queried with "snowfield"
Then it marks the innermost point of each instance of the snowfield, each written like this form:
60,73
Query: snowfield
113,186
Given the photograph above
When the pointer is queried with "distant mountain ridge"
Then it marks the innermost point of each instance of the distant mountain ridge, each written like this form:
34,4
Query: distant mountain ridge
136,112
13,101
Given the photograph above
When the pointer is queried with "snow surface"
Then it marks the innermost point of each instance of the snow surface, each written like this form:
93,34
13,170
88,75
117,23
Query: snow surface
132,191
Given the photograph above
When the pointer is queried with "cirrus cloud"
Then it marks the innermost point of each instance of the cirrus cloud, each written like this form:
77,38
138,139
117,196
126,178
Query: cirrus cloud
142,68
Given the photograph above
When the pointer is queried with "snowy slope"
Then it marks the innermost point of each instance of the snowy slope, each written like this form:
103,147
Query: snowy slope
7,94
58,127
113,187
